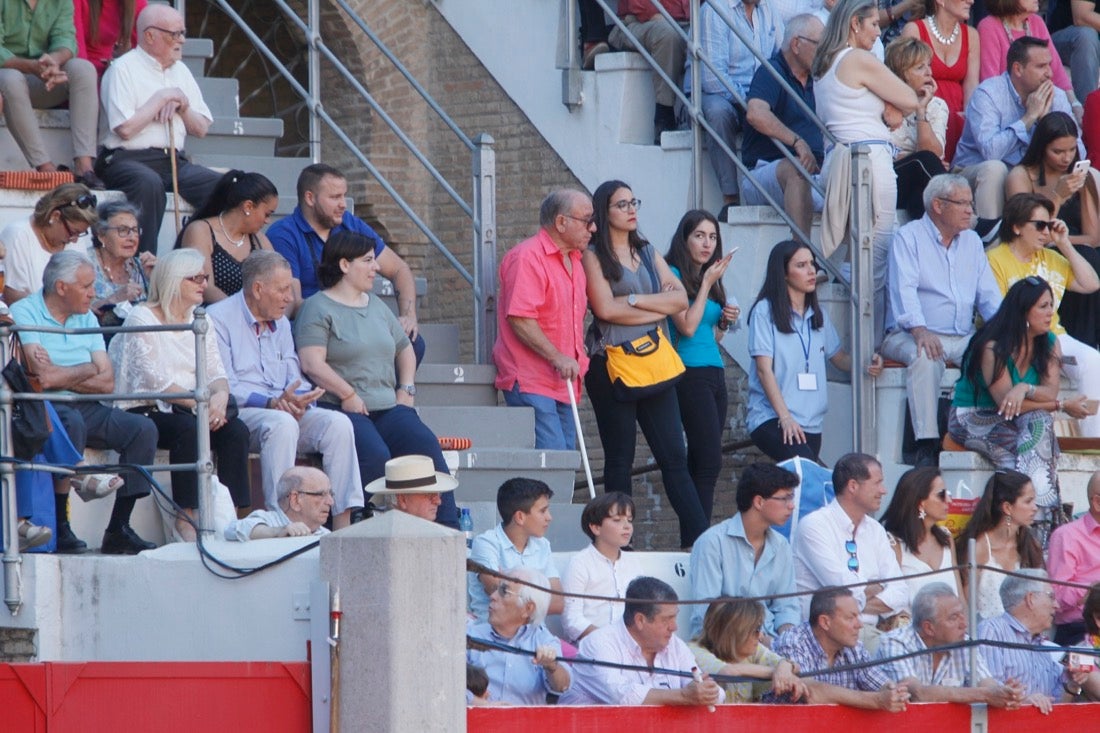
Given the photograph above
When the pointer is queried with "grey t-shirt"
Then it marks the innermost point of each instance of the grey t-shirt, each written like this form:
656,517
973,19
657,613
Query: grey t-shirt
361,343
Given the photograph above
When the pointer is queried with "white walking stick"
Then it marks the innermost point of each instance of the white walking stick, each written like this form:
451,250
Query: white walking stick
580,438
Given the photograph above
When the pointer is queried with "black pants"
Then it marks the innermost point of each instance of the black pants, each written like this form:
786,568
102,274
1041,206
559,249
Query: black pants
703,401
914,171
229,444
658,417
769,438
1080,313
594,26
145,175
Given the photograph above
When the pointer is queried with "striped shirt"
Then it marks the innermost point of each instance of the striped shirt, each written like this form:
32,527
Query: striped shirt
952,671
801,647
1037,671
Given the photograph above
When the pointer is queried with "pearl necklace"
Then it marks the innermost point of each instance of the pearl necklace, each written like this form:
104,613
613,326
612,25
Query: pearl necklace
950,41
235,242
1008,31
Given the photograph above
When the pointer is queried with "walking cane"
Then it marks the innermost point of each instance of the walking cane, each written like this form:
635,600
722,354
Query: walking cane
580,438
175,174
334,663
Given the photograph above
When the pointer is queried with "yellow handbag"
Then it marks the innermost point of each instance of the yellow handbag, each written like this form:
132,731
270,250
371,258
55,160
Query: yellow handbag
643,367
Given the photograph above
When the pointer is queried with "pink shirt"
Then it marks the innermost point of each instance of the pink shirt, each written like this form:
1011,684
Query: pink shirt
535,284
1075,558
995,43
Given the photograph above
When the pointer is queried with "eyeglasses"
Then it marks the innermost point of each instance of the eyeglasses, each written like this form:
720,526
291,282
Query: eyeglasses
965,204
323,494
504,590
200,279
627,204
808,40
123,231
73,234
87,201
786,499
1040,224
589,222
853,560
176,35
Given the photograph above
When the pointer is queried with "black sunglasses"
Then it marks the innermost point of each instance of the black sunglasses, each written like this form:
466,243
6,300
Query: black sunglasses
87,201
1040,224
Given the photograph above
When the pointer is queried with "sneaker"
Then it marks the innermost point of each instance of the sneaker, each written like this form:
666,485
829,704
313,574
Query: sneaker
32,535
67,541
124,541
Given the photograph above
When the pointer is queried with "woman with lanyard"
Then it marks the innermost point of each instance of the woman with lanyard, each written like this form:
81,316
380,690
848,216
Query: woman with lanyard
790,338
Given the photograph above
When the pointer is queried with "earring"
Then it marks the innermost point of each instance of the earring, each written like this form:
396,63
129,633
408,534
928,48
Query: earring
1008,521
247,212
921,514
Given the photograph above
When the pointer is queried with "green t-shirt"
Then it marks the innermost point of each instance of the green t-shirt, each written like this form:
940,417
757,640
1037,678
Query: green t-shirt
966,395
30,33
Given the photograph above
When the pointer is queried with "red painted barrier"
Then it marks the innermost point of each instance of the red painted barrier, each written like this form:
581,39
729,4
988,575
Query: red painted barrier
919,718
167,697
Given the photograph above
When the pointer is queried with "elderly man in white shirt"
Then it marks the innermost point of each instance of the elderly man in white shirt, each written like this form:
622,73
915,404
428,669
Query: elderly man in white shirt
645,637
152,103
305,499
841,544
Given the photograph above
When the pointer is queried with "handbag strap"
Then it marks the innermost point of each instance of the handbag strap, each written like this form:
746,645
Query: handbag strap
646,254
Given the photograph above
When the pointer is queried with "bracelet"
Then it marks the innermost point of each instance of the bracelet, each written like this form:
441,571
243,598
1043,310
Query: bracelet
796,140
1071,693
1060,405
922,119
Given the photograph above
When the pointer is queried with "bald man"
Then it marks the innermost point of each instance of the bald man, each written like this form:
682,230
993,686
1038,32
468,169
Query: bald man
1075,557
305,500
151,100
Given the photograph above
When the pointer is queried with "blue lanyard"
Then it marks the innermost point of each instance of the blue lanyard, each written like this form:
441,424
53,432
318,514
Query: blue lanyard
806,342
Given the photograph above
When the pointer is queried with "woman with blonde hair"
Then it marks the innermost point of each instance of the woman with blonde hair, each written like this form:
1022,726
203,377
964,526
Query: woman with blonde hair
165,362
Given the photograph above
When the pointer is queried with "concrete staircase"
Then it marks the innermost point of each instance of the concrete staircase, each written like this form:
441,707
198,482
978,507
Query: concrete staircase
456,399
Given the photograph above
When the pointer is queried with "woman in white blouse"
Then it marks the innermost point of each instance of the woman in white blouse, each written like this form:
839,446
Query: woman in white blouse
165,362
920,138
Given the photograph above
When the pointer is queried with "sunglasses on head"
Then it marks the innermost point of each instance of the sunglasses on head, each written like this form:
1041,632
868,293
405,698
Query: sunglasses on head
1033,280
87,201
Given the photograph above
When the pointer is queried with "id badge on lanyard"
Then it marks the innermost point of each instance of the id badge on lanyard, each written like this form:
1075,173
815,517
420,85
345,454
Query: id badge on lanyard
807,380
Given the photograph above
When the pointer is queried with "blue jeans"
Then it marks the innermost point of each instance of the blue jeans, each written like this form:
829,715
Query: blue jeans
554,427
398,431
659,418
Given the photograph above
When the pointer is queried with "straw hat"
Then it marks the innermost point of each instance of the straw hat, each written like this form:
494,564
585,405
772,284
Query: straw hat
411,475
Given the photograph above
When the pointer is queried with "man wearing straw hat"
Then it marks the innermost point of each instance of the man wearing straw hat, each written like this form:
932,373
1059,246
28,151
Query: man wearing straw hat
540,321
305,499
152,103
412,485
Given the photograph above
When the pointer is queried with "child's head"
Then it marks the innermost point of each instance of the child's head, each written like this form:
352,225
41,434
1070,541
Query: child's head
606,510
477,682
525,502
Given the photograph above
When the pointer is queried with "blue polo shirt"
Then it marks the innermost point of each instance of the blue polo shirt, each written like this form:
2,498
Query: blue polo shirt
757,146
789,355
295,239
64,349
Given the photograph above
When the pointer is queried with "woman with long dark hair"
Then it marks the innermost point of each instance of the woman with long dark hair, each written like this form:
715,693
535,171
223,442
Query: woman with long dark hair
1004,540
919,504
1008,390
695,256
631,292
238,208
790,337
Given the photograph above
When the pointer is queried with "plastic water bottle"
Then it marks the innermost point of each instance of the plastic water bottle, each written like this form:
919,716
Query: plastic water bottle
466,524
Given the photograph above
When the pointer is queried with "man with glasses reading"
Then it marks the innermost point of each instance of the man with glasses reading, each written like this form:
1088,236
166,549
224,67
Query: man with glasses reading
304,501
745,556
841,544
938,275
540,321
152,103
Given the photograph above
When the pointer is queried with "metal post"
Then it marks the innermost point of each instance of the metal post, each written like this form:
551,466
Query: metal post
861,244
569,53
697,106
12,559
205,467
972,605
485,248
314,11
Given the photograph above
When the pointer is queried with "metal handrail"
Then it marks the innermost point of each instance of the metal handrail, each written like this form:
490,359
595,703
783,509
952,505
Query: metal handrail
203,465
481,209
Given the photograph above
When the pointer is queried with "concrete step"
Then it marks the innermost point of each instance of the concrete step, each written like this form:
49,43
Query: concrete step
221,95
283,172
480,472
441,343
565,533
196,51
456,384
239,136
487,427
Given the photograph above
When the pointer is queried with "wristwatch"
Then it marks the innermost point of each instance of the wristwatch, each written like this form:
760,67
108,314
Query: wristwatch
632,300
409,389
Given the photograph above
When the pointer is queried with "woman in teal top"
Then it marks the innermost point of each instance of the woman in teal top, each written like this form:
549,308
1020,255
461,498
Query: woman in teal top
695,256
1007,393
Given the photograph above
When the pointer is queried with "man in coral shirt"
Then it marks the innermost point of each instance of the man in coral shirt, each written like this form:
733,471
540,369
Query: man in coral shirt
540,319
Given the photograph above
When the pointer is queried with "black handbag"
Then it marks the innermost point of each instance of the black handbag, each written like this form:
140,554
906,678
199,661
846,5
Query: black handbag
30,426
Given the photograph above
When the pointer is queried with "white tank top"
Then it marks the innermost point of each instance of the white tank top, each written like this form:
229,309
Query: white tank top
852,115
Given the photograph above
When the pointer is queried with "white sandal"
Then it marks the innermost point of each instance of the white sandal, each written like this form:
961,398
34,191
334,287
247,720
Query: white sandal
32,535
93,486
